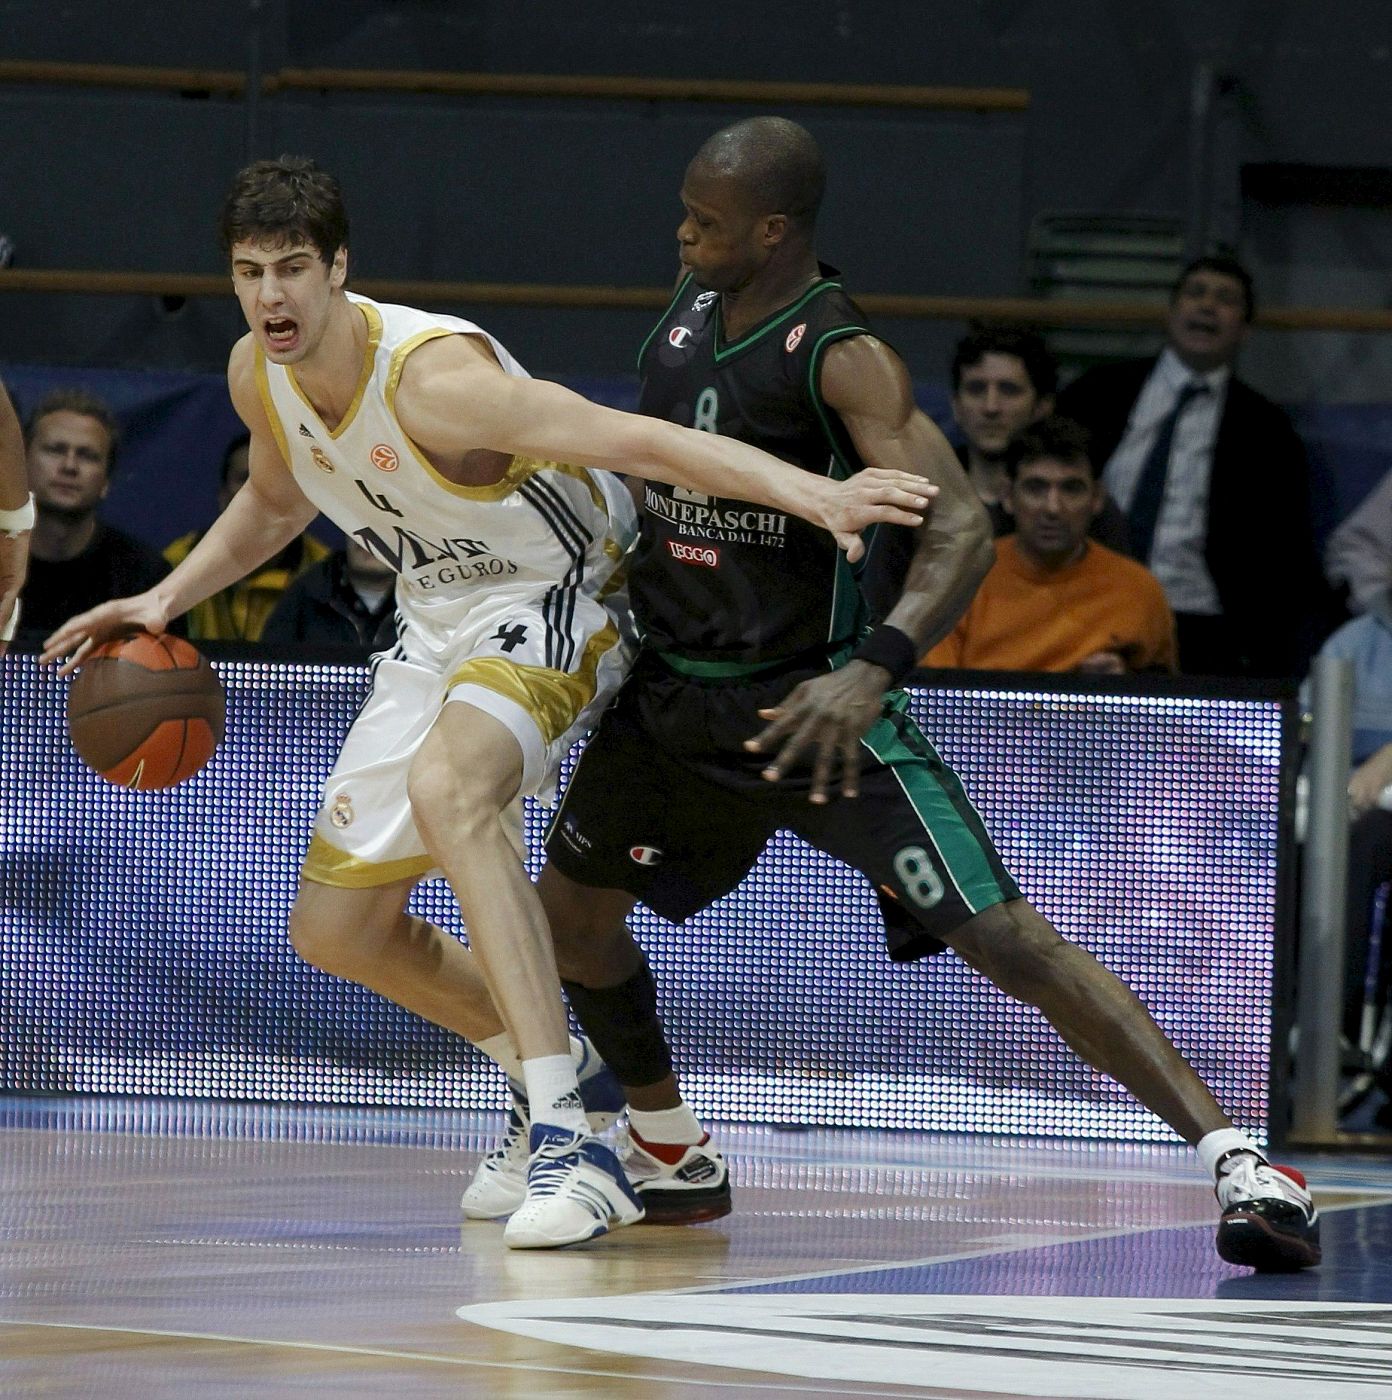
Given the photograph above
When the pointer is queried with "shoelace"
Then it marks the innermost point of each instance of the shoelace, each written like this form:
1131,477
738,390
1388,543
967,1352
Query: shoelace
513,1138
549,1170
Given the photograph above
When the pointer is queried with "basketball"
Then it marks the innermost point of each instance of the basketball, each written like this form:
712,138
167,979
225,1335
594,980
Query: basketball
146,712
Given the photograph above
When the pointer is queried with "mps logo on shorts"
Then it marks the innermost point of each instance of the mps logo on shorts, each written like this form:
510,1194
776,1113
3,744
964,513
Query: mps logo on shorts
795,337
574,837
644,855
384,458
706,555
341,813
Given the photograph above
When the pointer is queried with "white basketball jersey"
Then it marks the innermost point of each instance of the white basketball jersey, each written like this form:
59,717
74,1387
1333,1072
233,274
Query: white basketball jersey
545,525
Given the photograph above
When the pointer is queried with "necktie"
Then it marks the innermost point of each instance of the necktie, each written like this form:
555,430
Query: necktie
1150,486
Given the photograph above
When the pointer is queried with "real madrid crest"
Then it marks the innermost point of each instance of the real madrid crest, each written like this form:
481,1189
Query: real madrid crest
341,813
321,459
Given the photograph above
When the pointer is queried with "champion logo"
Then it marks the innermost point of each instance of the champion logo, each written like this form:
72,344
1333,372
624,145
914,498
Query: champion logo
644,855
678,336
321,459
304,432
795,337
708,556
384,458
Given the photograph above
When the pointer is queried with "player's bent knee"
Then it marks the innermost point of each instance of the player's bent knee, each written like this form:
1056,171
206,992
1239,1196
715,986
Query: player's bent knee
318,940
447,808
323,933
1015,947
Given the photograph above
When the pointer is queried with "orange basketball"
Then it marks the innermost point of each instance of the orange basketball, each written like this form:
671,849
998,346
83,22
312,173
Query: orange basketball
146,712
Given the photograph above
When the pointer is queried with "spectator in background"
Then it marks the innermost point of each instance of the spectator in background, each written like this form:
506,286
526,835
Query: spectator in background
1003,380
1358,556
1055,600
346,600
1214,482
1367,643
76,561
239,613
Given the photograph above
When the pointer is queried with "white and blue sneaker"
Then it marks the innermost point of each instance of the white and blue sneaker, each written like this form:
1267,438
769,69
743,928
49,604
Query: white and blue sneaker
576,1190
500,1183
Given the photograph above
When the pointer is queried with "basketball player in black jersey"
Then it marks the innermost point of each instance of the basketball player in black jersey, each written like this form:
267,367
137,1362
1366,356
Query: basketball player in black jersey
759,693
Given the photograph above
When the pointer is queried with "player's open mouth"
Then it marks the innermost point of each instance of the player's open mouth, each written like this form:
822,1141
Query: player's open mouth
281,334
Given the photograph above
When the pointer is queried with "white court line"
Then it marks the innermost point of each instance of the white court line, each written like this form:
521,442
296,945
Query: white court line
798,1387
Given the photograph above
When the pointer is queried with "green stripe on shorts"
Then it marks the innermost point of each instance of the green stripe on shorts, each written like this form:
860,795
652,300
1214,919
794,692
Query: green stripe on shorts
952,823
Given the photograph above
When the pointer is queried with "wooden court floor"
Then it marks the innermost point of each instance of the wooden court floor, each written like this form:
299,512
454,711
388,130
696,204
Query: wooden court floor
151,1249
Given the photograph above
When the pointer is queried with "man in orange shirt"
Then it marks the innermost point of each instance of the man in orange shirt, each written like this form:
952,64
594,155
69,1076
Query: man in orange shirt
1055,600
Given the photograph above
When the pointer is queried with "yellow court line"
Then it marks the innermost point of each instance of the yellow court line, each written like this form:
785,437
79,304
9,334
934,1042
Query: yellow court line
798,1387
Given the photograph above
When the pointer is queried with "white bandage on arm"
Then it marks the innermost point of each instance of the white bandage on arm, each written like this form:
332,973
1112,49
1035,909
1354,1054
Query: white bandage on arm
8,630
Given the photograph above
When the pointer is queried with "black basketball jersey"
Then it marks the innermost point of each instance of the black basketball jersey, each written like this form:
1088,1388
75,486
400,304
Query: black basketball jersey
720,579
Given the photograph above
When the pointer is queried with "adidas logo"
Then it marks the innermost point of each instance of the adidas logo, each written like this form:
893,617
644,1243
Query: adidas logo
304,432
570,1100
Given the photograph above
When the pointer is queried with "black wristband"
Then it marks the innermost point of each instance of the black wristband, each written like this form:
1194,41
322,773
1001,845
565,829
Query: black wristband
896,651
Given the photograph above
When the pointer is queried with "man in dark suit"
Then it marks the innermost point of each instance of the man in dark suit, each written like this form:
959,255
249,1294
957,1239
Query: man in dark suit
1214,482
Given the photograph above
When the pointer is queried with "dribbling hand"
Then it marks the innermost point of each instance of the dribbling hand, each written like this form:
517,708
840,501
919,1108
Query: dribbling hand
122,617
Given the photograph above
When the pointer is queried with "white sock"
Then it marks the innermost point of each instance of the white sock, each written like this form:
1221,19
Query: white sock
499,1049
677,1126
554,1093
1215,1146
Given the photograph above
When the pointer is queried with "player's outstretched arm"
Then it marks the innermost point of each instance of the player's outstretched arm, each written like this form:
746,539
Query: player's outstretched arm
868,386
16,512
260,520
451,398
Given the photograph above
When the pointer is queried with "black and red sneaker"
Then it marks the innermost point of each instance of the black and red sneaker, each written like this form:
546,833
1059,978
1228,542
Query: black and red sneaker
678,1184
1269,1221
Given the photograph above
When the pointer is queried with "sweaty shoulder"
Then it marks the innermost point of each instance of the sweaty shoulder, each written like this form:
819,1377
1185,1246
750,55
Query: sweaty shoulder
862,374
241,377
435,367
439,381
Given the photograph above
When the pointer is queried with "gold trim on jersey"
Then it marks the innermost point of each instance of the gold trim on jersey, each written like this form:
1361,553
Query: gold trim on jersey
327,865
619,577
374,339
518,470
553,698
263,386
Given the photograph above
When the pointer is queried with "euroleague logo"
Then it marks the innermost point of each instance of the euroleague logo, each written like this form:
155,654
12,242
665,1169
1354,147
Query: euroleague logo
384,458
704,554
644,855
795,337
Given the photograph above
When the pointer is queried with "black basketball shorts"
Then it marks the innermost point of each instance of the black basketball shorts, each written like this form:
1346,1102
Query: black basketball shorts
666,804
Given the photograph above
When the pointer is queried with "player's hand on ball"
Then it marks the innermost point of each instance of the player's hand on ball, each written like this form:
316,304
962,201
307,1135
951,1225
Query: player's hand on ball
122,617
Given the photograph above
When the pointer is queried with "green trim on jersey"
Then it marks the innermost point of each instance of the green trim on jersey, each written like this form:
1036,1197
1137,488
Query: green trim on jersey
676,297
950,822
759,332
847,605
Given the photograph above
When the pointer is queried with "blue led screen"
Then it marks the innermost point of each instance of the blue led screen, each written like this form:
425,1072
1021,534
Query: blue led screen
144,946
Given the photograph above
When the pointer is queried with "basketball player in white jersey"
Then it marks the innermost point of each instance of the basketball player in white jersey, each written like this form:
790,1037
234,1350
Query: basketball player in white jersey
423,439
